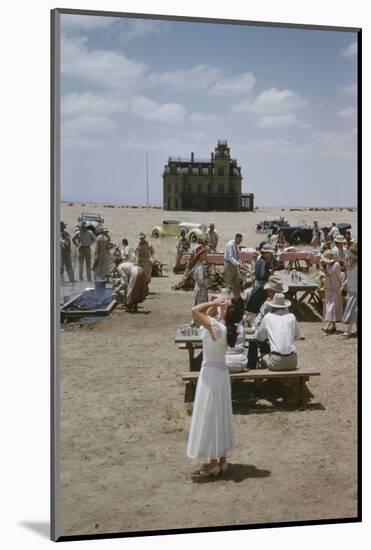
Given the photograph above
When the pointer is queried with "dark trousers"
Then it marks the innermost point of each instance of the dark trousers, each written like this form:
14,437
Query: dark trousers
252,354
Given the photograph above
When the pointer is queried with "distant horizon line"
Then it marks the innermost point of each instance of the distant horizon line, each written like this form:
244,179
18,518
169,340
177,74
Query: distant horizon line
81,201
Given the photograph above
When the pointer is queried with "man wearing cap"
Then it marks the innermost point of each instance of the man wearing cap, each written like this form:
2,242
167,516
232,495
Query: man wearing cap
232,265
84,239
212,238
281,329
145,253
102,256
65,242
274,285
200,276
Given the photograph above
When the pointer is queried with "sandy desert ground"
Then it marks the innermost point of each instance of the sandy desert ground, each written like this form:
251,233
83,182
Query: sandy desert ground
124,423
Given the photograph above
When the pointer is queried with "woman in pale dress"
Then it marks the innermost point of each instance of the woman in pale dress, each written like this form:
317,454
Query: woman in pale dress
350,316
200,276
135,282
211,433
333,304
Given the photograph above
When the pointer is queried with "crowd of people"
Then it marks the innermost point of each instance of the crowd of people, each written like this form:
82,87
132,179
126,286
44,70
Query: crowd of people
224,322
97,256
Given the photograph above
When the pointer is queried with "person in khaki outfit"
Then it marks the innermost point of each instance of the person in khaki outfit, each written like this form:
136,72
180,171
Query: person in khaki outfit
212,238
145,253
102,256
65,243
84,239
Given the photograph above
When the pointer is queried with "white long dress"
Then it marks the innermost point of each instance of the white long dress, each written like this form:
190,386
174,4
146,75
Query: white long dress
212,429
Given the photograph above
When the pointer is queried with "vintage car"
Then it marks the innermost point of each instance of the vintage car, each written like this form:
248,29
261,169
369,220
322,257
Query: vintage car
193,231
93,221
268,223
302,233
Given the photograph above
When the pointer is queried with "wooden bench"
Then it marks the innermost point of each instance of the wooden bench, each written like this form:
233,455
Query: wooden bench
295,379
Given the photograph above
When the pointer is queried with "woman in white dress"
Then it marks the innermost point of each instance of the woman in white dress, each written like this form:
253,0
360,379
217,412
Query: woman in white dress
333,304
211,433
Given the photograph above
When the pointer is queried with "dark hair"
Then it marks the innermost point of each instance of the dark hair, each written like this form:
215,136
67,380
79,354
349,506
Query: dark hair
125,241
238,235
234,315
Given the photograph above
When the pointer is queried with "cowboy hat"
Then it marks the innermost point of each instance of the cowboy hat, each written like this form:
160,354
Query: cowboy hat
328,256
142,235
279,301
276,284
339,239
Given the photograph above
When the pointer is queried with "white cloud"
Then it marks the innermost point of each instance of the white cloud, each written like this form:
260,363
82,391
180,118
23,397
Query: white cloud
162,112
89,124
137,28
272,102
276,121
348,90
201,117
93,103
71,22
346,113
234,86
200,77
106,68
351,50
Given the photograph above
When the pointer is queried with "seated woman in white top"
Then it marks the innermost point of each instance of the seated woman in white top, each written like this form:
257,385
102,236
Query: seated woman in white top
236,358
211,432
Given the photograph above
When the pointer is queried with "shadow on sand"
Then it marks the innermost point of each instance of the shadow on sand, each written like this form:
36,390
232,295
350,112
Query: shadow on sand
235,472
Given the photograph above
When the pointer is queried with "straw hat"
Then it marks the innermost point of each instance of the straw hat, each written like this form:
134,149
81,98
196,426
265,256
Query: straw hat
199,251
266,248
353,251
142,235
276,284
340,239
328,256
279,301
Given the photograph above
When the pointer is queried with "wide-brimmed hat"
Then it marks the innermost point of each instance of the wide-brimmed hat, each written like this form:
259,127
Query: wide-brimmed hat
339,239
142,235
267,248
276,284
328,256
279,301
104,229
200,250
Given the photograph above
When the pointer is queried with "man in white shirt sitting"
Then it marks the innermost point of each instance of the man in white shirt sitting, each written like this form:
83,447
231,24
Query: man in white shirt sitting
281,329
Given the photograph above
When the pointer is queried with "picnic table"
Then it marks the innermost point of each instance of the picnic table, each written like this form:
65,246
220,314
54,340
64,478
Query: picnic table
193,343
300,290
293,258
295,379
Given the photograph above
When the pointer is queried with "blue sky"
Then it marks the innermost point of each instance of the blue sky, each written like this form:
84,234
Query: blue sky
285,99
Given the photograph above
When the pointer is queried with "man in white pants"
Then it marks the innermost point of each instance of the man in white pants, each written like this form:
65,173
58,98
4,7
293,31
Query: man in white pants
281,329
